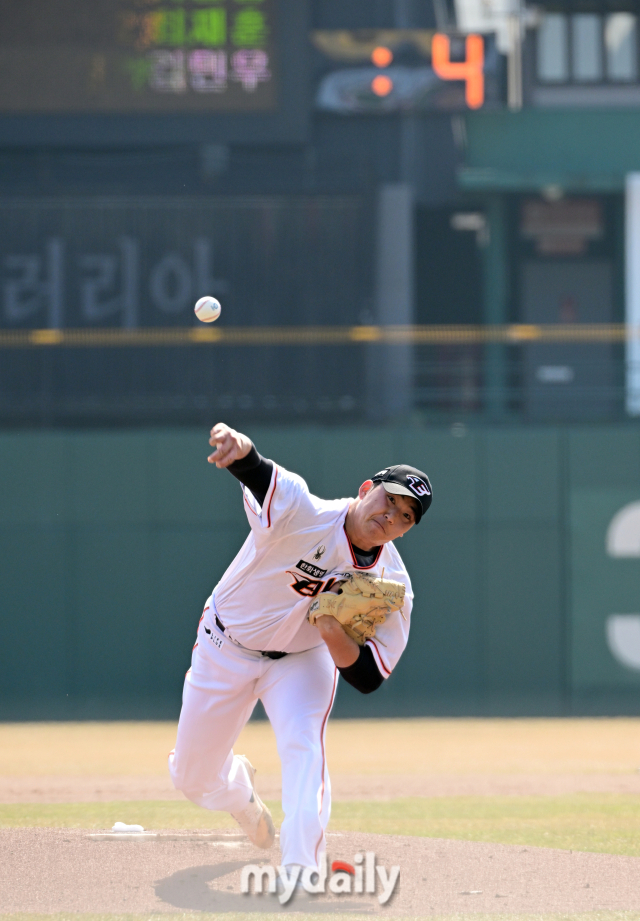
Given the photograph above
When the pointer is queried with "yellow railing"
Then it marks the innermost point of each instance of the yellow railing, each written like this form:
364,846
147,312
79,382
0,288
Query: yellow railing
513,334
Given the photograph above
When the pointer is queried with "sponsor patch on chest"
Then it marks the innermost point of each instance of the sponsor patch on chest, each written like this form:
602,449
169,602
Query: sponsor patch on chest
311,570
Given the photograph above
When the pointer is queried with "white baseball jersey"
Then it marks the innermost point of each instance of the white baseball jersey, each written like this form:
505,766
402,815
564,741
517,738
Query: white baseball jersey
297,547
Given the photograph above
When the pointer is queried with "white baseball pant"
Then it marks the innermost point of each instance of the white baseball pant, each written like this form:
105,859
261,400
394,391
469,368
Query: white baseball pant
220,691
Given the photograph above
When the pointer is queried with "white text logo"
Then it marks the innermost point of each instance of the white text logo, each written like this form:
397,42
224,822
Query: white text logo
361,877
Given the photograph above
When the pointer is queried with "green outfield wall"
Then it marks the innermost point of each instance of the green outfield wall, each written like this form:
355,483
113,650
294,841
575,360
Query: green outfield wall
526,569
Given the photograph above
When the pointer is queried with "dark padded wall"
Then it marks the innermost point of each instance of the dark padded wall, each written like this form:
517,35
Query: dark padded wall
110,542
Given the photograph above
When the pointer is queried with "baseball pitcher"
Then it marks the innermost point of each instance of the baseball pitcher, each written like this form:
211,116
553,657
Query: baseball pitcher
317,589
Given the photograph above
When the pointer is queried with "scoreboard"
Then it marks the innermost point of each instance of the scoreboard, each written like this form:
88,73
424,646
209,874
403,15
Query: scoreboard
70,57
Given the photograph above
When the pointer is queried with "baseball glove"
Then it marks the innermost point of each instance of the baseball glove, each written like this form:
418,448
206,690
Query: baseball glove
361,605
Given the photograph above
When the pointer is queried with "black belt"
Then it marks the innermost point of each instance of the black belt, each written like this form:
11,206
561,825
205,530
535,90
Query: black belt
269,654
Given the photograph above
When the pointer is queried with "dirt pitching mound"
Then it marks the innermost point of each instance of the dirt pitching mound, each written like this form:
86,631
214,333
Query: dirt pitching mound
59,870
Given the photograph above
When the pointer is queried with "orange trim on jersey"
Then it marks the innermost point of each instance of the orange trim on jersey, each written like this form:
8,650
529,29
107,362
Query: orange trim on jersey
378,657
248,506
353,556
275,480
324,723
273,489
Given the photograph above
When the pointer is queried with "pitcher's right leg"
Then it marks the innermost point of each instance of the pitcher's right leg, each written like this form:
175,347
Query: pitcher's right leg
218,699
298,692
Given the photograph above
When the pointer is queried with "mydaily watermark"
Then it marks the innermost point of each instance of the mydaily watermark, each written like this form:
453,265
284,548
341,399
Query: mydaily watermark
363,876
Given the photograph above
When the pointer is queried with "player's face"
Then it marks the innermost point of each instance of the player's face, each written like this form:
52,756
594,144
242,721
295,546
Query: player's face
380,516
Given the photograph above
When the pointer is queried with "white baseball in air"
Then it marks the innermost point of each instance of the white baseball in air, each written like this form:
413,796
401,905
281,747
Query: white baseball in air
207,309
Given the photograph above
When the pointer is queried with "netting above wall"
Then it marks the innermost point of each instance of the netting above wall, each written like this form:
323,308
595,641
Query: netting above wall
125,265
91,262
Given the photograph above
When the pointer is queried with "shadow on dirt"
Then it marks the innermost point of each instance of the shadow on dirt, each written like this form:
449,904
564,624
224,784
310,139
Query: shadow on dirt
191,890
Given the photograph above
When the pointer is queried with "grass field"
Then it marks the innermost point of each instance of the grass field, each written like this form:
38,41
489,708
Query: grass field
604,822
581,822
597,822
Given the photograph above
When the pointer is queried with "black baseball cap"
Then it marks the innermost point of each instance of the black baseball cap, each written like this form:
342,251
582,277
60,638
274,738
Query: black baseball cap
403,480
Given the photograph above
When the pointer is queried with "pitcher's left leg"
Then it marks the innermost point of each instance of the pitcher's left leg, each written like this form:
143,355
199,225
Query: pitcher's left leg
298,692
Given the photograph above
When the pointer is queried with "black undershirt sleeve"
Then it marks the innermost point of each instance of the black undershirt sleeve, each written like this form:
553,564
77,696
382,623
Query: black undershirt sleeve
364,674
254,472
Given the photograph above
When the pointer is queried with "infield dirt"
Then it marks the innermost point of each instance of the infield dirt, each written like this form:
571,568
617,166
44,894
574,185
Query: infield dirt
48,870
73,870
